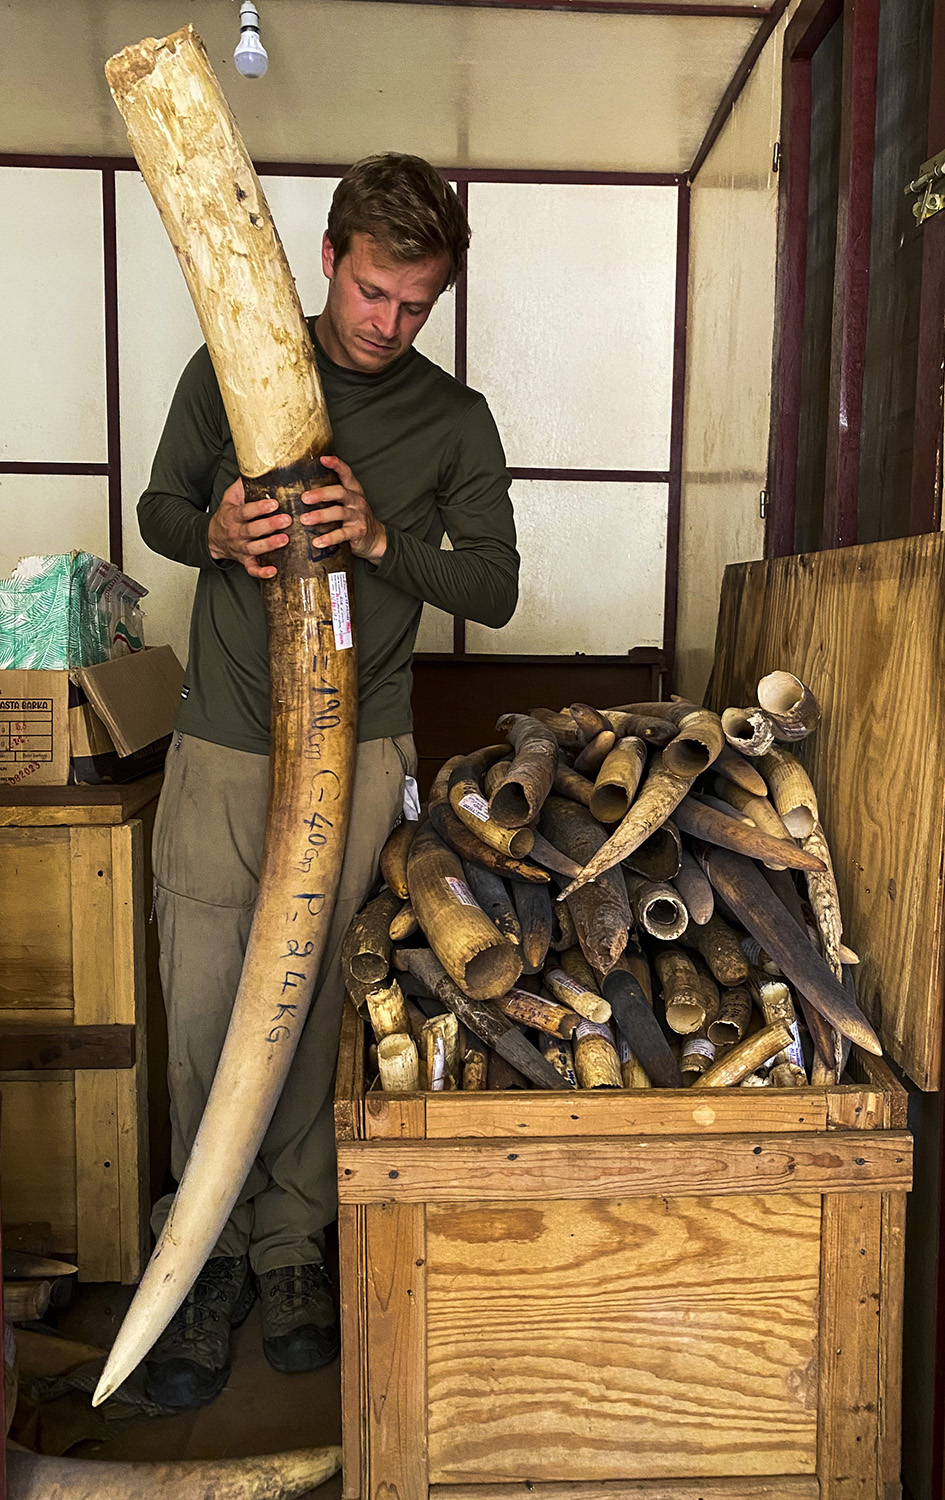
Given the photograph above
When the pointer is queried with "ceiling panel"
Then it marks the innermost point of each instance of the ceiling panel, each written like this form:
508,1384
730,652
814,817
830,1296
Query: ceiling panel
459,85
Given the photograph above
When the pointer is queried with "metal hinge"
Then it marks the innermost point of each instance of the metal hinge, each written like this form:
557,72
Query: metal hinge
776,157
763,504
930,175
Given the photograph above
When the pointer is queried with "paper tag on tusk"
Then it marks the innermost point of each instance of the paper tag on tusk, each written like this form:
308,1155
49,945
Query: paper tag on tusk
411,800
593,1028
699,1046
340,611
461,890
477,805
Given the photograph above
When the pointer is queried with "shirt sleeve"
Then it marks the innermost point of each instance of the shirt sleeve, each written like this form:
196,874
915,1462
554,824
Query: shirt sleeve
478,579
173,512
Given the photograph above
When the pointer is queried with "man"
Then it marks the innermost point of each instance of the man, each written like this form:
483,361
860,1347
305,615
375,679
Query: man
417,455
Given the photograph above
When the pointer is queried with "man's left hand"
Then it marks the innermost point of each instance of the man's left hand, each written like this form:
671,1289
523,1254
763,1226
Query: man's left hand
345,504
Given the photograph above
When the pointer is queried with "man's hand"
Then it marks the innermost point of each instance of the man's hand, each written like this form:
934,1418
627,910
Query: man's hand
345,503
242,532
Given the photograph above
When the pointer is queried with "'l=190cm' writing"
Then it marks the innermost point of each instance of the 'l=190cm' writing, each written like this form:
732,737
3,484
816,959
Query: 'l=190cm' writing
326,718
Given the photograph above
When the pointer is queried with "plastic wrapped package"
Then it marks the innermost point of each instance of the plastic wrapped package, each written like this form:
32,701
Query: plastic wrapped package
68,610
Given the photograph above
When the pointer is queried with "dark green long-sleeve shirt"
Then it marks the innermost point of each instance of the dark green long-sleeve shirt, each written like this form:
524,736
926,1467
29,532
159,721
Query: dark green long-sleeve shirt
426,452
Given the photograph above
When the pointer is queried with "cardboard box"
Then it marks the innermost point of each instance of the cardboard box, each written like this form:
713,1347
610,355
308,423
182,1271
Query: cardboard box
110,722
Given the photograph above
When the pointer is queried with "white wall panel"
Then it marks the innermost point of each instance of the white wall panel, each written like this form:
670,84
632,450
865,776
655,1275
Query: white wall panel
52,317
728,376
158,332
593,569
571,316
43,513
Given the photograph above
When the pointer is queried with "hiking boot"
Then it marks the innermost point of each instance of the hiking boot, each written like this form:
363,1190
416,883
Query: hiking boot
190,1363
300,1325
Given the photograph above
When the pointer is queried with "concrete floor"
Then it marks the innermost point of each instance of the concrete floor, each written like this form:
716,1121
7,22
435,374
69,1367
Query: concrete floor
259,1411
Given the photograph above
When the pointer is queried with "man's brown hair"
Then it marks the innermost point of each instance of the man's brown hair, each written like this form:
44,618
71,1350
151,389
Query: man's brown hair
407,207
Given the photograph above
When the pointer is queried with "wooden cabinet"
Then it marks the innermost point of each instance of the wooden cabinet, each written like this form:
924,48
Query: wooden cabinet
74,891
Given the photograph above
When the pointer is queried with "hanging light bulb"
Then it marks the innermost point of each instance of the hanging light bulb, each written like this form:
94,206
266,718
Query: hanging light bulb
250,57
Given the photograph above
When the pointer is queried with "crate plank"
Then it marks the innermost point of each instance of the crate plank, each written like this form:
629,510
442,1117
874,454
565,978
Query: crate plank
353,1345
850,1395
650,1112
845,622
35,935
890,1334
459,1171
781,1487
98,1180
130,1006
677,1337
394,1117
395,1302
37,1157
24,1048
93,926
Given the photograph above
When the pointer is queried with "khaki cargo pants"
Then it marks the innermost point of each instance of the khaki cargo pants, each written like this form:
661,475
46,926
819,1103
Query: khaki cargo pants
208,840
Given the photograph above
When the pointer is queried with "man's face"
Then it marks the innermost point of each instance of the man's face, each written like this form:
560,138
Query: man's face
376,306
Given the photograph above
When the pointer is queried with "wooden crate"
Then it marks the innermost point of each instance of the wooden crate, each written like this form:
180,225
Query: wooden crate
670,1294
661,1295
73,1066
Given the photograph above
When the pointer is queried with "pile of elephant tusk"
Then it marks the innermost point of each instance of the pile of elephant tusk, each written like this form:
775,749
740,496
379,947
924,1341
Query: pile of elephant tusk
630,897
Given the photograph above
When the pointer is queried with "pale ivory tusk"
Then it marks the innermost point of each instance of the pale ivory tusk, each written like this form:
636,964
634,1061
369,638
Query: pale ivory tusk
398,1063
824,900
659,796
721,948
387,1010
470,948
618,779
732,763
475,1065
694,886
792,707
595,1056
404,924
698,743
470,806
731,1023
588,761
632,1071
575,995
745,891
656,907
191,156
748,730
534,1010
519,799
394,857
750,1054
276,1476
791,792
560,1054
683,995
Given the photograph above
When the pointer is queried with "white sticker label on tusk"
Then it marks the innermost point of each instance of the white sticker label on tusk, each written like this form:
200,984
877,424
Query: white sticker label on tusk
477,805
593,1028
461,890
340,611
565,982
698,1046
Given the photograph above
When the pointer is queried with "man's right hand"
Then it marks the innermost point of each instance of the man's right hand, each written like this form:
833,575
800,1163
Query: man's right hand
243,532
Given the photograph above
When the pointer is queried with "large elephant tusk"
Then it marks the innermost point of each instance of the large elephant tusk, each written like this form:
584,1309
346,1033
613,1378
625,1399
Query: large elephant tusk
701,821
752,901
660,794
276,1476
201,177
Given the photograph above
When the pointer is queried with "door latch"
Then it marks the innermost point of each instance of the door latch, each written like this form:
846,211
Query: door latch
924,188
